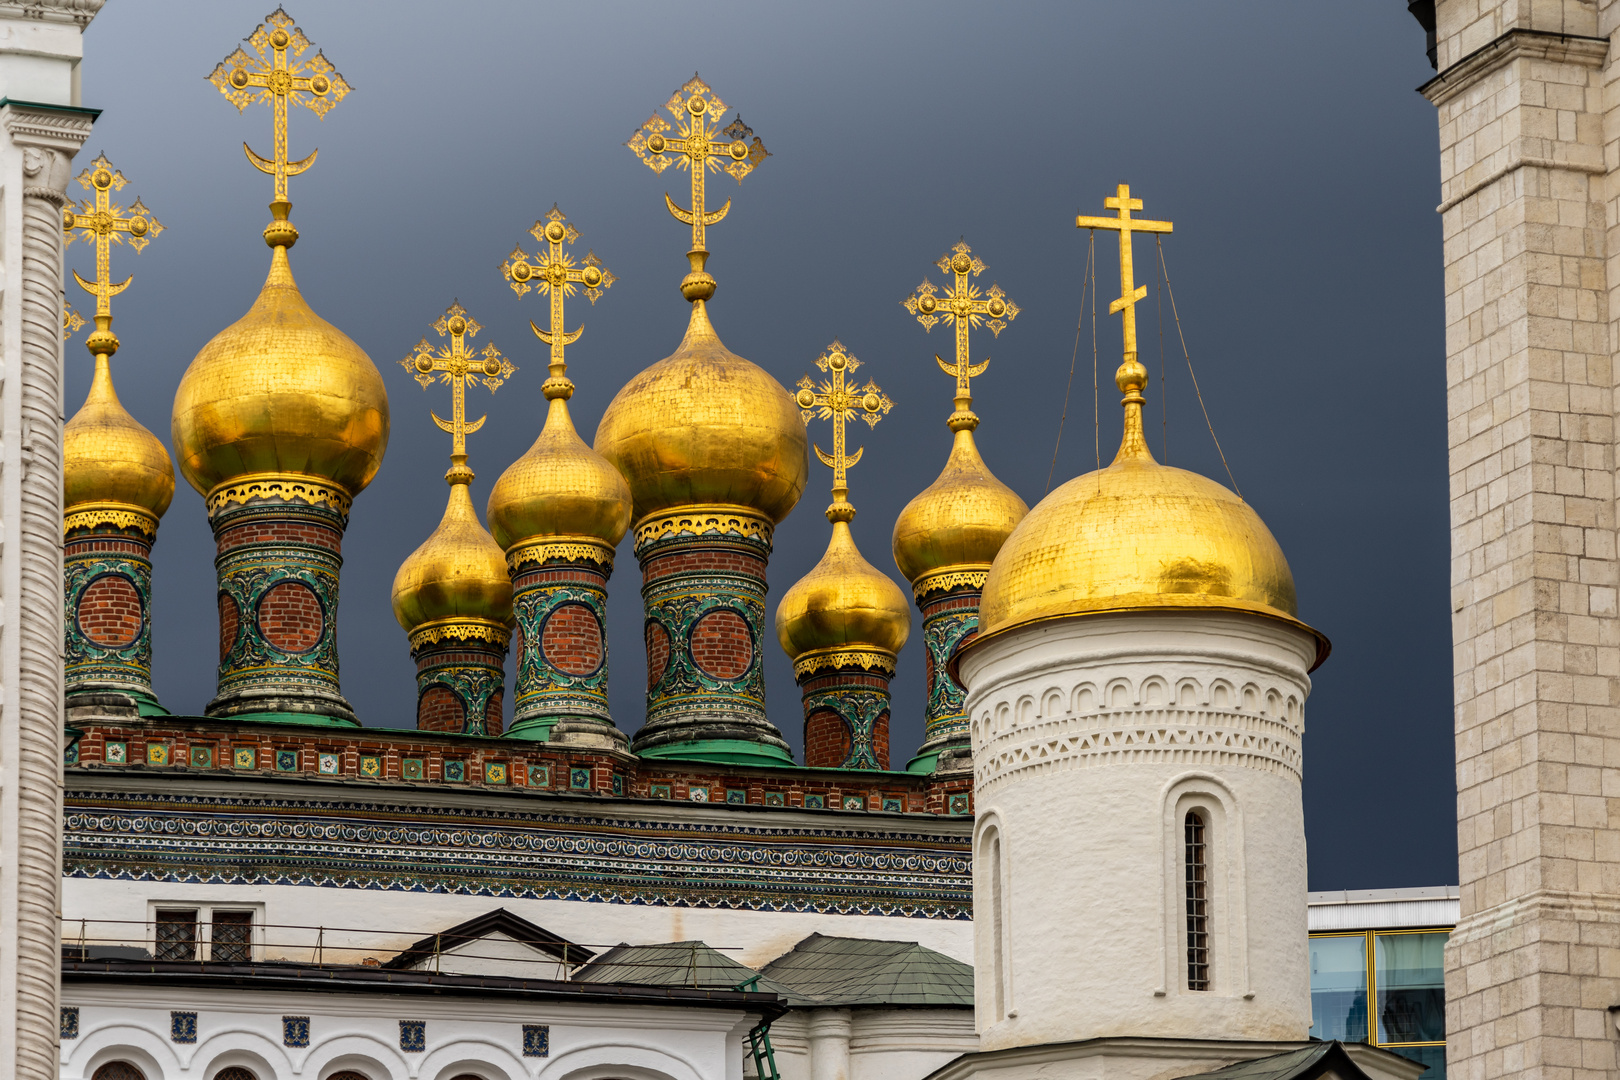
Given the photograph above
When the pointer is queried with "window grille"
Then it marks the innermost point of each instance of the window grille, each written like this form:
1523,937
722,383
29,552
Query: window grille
1197,879
177,935
232,938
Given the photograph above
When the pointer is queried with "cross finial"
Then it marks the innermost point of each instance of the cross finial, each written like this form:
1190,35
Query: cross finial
72,321
964,306
458,365
278,76
834,399
1131,376
554,271
698,111
100,221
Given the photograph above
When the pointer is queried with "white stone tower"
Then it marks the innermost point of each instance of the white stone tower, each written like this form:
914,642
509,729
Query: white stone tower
40,48
1529,119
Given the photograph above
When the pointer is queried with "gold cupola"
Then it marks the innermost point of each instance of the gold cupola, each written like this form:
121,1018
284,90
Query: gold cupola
843,603
110,463
560,488
958,523
458,573
281,391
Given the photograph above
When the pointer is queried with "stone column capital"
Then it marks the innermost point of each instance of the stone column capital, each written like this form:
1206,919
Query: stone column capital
49,136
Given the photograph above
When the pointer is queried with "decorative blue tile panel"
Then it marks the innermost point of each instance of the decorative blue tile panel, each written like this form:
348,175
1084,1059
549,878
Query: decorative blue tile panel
413,1036
536,1040
412,768
455,771
183,1027
659,791
579,779
736,796
539,775
775,798
618,783
202,756
894,805
812,802
854,802
286,761
295,1031
70,1022
959,804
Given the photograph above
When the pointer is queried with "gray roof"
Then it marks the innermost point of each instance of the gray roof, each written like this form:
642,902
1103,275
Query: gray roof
859,971
678,963
1307,1063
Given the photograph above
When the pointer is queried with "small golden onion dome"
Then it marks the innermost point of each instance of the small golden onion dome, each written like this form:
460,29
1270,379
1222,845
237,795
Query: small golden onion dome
108,457
1138,536
844,602
705,426
281,390
961,519
560,487
458,573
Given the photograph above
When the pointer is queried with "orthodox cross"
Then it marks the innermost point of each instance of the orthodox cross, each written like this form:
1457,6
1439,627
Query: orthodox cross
458,365
553,271
100,221
1125,225
281,79
839,402
697,112
965,307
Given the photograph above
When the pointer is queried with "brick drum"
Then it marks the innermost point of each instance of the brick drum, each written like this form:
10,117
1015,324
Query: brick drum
880,739
439,709
657,653
826,740
572,640
494,713
721,644
110,611
290,617
229,620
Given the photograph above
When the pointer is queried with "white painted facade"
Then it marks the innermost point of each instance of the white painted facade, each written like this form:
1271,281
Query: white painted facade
1093,737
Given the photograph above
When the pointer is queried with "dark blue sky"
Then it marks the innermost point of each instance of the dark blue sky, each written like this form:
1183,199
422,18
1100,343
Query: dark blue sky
1283,139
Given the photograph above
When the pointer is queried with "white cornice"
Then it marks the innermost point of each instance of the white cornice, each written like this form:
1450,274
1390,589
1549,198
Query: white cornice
72,12
1514,45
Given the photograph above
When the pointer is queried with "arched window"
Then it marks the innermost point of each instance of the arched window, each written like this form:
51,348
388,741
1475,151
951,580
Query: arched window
348,1074
118,1070
235,1072
1196,874
998,959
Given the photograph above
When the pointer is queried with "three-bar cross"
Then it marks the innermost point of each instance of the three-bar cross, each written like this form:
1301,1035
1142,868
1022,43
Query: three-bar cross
839,402
554,271
1125,225
458,365
964,306
100,221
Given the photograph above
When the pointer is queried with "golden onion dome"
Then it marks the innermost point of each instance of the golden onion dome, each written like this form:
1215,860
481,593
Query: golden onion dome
705,426
281,390
458,573
560,487
108,457
844,602
1138,536
961,519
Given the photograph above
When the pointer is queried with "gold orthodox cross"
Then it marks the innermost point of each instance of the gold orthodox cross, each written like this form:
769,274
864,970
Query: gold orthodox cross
964,306
1125,225
698,112
841,403
458,365
100,221
554,271
281,79
71,320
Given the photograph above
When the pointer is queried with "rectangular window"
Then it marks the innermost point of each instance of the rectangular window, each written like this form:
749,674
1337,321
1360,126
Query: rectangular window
1339,988
1411,985
1197,874
1384,987
176,937
231,937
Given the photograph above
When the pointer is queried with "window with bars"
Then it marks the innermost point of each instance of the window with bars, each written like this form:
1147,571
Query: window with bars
176,937
231,937
1196,872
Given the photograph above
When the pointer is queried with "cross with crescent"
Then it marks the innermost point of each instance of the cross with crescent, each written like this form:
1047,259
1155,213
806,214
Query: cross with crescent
697,112
458,365
964,306
839,402
1125,225
99,221
554,271
277,75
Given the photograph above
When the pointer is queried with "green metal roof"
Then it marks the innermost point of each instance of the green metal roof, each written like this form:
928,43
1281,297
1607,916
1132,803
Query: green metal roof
678,963
859,971
1318,1059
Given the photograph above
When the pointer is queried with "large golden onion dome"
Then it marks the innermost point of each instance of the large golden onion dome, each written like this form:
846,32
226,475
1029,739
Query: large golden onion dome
843,602
961,519
109,458
560,487
1138,536
458,573
279,391
705,426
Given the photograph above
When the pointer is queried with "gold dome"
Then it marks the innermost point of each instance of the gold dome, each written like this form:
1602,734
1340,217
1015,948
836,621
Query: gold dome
961,519
844,602
281,391
560,487
458,573
108,457
705,426
1138,536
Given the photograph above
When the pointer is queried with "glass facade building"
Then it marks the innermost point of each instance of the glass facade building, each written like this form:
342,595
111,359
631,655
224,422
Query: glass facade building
1376,981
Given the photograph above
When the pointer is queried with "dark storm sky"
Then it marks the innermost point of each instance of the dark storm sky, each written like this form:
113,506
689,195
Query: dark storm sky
1283,139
